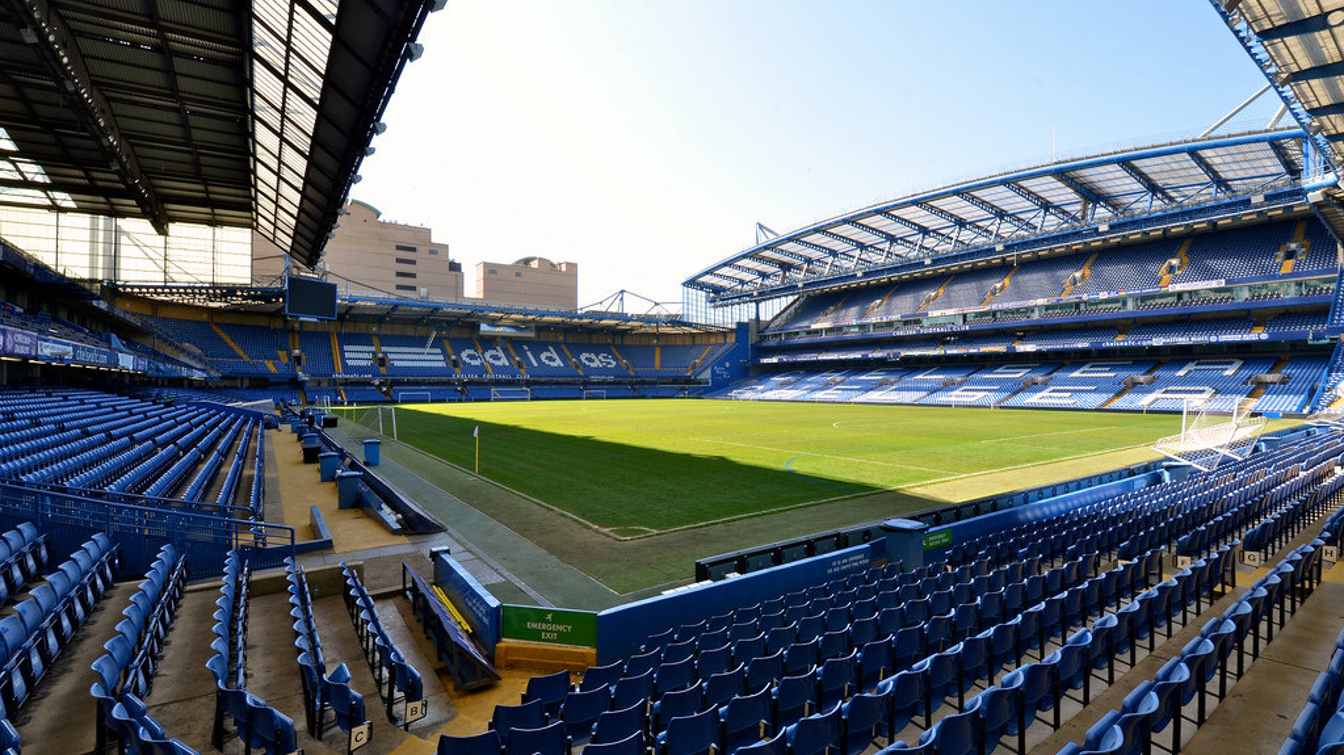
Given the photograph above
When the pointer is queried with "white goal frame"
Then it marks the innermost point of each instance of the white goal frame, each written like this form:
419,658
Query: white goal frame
594,393
1225,434
378,418
510,394
407,397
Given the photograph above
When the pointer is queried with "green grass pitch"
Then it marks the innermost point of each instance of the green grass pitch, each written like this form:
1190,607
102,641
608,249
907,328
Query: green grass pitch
632,467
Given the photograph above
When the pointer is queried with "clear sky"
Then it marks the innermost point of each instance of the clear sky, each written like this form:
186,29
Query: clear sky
643,140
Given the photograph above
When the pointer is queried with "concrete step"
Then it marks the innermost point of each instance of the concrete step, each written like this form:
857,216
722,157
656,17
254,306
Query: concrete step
61,716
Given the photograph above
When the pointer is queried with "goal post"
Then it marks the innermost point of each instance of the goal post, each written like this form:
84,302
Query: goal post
510,394
597,393
411,397
381,420
1209,433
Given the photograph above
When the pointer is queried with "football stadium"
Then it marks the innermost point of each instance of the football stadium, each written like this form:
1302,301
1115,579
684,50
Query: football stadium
1047,460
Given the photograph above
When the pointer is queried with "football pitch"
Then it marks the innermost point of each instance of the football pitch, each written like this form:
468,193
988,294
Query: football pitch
632,468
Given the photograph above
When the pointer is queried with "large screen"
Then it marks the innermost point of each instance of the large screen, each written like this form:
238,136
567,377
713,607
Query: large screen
310,297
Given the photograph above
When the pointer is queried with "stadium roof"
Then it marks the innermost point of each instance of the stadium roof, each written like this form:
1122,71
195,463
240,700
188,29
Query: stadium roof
268,299
1023,210
199,111
1299,44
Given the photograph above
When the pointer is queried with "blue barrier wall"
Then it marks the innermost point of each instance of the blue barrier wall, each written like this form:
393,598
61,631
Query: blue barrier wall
478,606
622,629
985,524
414,519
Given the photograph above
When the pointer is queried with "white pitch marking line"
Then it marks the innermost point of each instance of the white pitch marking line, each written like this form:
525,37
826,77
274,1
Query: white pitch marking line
823,456
1057,432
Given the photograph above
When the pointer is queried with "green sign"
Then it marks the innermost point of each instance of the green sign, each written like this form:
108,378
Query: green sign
556,626
936,540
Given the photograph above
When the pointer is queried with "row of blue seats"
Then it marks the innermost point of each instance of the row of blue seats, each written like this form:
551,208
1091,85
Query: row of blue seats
1010,707
1153,705
1281,526
228,490
58,455
1154,513
256,723
399,683
23,558
1320,726
322,690
1164,504
1223,568
786,699
908,631
43,625
214,460
123,676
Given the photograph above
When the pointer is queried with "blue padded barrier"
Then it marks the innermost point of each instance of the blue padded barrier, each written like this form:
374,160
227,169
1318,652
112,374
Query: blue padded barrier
478,606
467,664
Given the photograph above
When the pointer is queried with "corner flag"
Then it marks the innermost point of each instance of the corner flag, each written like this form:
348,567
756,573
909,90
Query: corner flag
476,433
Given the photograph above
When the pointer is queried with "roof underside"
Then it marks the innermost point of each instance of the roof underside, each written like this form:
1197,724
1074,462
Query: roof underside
1015,208
270,300
197,111
1300,46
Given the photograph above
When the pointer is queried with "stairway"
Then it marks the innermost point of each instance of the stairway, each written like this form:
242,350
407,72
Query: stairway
336,360
1082,273
1127,388
513,355
620,358
1165,273
452,357
489,370
999,287
378,349
932,297
228,340
1299,237
573,363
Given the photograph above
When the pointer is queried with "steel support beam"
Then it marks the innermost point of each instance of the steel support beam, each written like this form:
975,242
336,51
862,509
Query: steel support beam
998,212
61,53
920,228
888,237
1144,180
956,220
1087,195
1041,202
1219,182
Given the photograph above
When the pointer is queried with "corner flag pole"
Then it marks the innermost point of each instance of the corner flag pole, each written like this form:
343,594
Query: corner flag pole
476,433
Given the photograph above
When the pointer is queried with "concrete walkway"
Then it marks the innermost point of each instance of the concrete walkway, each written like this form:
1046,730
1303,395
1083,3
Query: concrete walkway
1259,712
1111,698
501,555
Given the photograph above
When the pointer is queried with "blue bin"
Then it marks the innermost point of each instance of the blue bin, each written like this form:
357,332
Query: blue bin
311,448
372,451
347,488
327,464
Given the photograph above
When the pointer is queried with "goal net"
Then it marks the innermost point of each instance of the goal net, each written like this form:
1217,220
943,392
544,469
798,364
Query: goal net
510,394
381,420
409,397
595,393
1209,434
